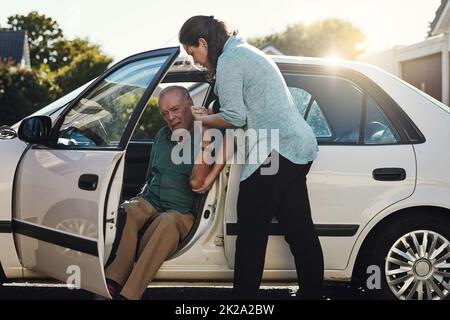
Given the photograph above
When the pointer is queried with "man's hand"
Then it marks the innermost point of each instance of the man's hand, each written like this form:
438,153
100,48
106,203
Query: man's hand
207,184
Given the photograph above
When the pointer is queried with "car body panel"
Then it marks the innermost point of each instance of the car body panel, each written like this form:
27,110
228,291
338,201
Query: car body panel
11,152
70,211
67,193
342,192
209,256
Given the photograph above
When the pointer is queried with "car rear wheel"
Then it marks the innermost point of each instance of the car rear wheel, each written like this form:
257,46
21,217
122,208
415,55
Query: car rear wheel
413,255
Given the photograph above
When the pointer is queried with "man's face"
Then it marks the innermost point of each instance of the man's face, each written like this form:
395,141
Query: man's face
176,111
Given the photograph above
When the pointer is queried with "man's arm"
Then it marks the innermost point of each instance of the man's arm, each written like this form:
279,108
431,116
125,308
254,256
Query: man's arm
202,165
206,180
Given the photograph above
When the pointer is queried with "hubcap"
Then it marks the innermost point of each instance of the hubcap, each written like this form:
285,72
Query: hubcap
422,268
418,266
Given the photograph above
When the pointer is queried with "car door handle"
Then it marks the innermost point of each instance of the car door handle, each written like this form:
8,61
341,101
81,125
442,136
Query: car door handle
389,174
88,182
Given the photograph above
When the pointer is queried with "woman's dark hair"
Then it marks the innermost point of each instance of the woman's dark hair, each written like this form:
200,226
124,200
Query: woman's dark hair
215,32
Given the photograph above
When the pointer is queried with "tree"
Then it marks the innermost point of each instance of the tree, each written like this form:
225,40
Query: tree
58,65
86,62
22,92
68,50
43,35
320,39
48,45
70,63
151,121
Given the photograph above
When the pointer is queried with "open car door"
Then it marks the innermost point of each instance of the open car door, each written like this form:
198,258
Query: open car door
66,194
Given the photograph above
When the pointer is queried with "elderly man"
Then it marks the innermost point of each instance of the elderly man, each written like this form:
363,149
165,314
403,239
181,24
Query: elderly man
165,202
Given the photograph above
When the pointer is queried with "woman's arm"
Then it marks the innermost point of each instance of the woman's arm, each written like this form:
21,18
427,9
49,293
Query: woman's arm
213,121
225,152
203,163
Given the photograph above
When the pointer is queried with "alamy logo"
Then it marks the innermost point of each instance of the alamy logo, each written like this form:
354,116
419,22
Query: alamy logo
74,279
374,280
250,147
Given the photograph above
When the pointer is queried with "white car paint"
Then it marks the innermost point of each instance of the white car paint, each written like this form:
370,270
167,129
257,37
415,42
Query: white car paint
10,154
427,184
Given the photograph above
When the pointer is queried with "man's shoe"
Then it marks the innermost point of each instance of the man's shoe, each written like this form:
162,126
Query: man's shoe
114,288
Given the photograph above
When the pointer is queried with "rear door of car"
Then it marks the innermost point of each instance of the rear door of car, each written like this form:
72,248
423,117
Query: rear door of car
365,163
66,195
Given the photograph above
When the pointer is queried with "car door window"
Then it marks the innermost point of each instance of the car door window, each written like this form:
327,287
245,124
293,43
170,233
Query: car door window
318,122
310,110
379,129
335,110
301,99
333,107
101,117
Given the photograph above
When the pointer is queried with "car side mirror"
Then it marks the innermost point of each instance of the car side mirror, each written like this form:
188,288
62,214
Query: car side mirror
36,130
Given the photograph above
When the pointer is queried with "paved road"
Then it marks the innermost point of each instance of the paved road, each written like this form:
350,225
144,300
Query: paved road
30,291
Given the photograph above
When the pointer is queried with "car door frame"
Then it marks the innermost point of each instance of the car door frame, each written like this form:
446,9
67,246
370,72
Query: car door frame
408,131
140,107
66,239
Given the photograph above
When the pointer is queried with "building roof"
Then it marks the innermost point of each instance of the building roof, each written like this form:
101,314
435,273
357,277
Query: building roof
441,14
271,50
12,45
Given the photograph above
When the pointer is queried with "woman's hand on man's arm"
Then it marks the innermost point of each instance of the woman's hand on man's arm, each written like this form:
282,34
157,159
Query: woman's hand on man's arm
224,153
213,121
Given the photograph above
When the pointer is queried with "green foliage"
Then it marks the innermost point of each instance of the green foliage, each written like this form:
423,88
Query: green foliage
319,39
58,65
83,67
43,35
151,121
69,50
22,92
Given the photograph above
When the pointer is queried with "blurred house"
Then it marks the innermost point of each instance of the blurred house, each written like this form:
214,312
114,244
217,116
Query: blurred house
425,64
271,50
14,47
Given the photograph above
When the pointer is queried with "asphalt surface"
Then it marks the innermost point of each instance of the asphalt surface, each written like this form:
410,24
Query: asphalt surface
41,291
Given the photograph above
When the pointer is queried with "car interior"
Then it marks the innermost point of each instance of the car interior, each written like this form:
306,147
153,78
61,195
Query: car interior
138,156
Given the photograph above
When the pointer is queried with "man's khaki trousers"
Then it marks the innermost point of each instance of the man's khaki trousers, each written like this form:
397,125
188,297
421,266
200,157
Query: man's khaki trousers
160,240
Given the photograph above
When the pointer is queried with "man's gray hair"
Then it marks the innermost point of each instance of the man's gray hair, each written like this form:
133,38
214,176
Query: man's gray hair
182,91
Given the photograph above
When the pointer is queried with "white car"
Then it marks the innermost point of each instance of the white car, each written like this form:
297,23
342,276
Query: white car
379,190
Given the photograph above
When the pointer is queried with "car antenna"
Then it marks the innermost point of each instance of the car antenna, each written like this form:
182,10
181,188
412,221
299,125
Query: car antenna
168,41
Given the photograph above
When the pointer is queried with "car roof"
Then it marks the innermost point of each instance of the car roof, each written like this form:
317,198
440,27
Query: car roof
185,64
331,63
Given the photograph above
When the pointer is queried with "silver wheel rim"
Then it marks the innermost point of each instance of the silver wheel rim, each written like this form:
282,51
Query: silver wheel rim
418,266
78,227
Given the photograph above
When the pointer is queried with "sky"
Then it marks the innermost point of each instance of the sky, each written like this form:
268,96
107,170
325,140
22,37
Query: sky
127,27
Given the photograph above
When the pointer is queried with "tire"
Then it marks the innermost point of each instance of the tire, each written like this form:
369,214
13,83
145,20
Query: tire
410,268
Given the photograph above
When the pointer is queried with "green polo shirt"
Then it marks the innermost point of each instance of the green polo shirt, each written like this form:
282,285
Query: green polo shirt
168,186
